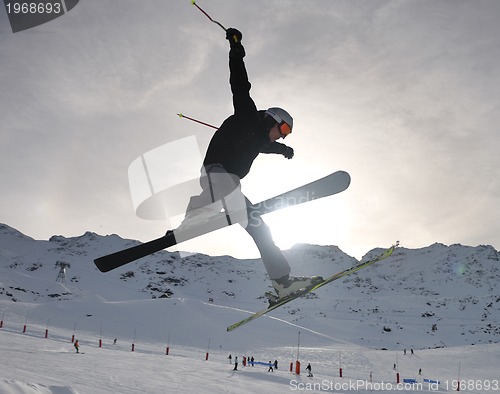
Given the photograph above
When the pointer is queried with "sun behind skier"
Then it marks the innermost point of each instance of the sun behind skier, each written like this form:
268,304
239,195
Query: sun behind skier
229,157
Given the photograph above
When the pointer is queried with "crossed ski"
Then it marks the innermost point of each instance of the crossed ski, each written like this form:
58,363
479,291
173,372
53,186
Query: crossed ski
331,184
386,253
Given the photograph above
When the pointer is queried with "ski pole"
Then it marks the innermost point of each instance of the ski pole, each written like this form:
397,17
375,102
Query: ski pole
197,121
209,17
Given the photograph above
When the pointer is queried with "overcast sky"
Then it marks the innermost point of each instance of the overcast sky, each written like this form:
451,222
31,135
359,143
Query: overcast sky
403,95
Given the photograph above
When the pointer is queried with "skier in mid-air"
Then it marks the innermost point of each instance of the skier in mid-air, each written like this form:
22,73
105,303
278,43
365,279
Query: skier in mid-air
230,154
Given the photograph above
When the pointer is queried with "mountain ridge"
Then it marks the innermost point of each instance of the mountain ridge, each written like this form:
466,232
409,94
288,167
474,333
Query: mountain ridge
444,295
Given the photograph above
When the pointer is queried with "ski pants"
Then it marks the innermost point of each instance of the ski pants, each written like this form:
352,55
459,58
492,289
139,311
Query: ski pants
222,191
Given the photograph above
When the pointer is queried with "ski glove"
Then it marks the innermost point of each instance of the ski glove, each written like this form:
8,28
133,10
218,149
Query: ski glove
234,37
288,153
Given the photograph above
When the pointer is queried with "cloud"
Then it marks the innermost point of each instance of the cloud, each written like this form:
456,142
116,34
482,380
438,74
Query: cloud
403,95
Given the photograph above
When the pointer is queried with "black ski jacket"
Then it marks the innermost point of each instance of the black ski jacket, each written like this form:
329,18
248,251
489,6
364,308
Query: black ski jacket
244,135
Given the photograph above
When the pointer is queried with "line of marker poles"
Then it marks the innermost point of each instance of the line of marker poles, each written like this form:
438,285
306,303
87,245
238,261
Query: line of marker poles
297,362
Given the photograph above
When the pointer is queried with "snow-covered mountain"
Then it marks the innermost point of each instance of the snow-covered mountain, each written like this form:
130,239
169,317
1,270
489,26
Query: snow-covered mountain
441,300
425,298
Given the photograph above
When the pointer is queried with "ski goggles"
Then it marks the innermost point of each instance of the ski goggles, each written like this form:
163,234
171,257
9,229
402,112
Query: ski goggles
284,129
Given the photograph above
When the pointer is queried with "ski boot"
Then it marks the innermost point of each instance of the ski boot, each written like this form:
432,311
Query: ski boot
288,286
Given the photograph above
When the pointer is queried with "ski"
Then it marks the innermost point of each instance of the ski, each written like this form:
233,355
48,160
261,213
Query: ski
386,253
327,186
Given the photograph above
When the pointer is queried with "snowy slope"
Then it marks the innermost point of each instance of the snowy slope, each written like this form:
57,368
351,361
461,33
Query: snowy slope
45,366
440,298
439,295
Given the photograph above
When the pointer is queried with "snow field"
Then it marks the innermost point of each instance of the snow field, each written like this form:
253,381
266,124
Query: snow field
33,364
391,306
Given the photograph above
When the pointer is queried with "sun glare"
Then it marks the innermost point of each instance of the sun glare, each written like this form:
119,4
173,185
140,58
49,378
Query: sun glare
317,223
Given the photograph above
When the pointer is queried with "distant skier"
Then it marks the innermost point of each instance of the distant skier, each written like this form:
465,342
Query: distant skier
229,157
235,364
275,364
77,346
270,367
309,370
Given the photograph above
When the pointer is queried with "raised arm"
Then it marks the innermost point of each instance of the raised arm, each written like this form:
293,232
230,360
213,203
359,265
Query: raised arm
238,77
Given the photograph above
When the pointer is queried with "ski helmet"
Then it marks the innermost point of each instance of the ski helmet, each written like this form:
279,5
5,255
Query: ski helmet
283,118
